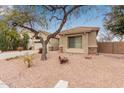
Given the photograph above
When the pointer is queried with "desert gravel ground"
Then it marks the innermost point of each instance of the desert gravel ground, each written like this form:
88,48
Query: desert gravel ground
100,71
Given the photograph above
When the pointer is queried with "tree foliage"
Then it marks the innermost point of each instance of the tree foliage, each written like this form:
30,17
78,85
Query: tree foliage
9,40
25,41
114,21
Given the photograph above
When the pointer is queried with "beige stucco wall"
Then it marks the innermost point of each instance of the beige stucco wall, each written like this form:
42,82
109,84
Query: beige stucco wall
64,44
88,40
92,39
54,42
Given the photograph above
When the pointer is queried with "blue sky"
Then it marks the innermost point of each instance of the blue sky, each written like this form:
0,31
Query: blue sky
92,18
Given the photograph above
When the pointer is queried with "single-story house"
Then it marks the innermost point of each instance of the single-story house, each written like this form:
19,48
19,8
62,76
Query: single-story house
79,40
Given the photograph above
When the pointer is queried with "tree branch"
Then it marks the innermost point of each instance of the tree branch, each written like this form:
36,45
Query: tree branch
59,29
47,7
41,40
55,18
74,8
62,22
31,29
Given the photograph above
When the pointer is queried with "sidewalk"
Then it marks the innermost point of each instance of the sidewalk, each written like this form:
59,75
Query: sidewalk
13,54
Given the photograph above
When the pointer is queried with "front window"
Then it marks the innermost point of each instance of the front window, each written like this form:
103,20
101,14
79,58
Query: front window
75,42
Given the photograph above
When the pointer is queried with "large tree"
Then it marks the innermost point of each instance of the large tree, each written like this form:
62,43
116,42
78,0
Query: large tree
42,15
114,21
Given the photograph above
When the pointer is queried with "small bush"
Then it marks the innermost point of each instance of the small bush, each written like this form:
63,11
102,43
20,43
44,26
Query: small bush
28,60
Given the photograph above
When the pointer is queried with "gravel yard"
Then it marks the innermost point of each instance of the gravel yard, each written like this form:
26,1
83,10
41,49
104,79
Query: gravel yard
100,71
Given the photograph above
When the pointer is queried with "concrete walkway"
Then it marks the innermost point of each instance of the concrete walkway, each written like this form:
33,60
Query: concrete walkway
13,54
61,84
3,85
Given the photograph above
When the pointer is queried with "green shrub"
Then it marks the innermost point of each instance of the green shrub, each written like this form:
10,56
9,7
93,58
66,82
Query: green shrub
25,41
9,40
28,60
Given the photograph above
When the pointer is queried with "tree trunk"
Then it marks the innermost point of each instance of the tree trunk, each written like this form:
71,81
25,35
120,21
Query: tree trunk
44,51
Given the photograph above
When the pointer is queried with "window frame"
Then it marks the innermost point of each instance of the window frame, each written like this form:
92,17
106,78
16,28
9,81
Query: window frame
74,37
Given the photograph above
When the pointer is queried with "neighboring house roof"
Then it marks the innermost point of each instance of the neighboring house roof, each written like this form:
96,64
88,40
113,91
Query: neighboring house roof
44,32
28,31
79,30
40,32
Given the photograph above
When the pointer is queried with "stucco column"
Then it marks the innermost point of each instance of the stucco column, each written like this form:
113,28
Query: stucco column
61,45
86,42
60,41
